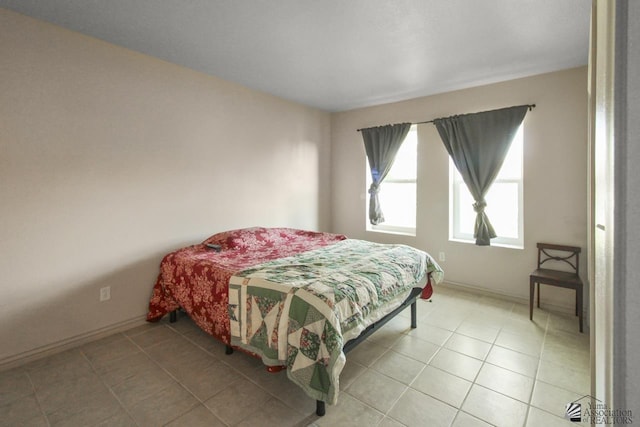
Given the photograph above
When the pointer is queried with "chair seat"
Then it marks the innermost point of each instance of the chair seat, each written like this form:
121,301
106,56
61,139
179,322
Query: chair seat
559,278
554,254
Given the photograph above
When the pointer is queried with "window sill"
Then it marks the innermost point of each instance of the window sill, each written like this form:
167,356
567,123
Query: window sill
493,244
399,232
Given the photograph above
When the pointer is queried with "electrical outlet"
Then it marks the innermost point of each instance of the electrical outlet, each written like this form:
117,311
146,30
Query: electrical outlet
105,293
441,257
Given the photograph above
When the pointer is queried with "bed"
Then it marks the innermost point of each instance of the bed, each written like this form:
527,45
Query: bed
297,299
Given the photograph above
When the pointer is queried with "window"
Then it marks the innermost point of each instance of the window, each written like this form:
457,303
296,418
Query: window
398,190
504,202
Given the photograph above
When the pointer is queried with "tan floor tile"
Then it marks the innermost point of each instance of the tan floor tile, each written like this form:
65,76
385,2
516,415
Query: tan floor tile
497,303
72,367
278,385
376,390
564,322
22,411
416,348
199,416
457,364
465,420
348,412
551,398
573,340
350,372
70,393
106,350
564,355
506,382
539,418
177,352
519,325
54,360
116,371
468,346
418,409
120,419
514,361
93,411
155,336
142,385
14,384
238,401
273,413
390,422
84,401
528,344
480,332
449,320
206,342
564,377
430,333
366,353
442,385
184,325
389,334
242,362
399,367
485,319
495,408
209,380
164,406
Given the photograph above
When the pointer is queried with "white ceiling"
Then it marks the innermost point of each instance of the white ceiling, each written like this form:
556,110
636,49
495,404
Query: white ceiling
339,54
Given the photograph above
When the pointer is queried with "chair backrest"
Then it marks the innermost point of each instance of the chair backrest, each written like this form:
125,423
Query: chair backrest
558,255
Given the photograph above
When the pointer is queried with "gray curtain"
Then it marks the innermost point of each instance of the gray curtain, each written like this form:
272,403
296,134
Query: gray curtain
478,144
381,144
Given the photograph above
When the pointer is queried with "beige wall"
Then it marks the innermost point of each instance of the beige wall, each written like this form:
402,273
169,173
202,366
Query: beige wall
555,178
109,159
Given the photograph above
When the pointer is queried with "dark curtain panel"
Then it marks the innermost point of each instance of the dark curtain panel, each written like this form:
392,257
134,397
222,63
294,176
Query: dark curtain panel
381,144
478,144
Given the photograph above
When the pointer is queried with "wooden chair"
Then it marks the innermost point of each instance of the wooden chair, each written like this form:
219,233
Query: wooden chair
557,254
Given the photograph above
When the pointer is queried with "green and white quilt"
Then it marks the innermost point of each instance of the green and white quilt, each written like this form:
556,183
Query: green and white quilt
300,310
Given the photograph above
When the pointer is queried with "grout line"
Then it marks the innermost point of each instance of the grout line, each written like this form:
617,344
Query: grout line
93,369
35,396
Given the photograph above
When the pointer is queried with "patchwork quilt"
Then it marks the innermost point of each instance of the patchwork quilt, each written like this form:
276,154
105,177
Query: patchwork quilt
196,277
300,310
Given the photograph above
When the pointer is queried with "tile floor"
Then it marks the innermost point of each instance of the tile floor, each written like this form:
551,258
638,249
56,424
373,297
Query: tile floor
473,361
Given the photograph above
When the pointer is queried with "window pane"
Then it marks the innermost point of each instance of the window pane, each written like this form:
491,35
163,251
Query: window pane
404,165
502,209
512,166
398,203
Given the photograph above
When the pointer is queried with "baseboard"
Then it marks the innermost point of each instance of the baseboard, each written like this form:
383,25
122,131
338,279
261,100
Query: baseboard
66,344
562,309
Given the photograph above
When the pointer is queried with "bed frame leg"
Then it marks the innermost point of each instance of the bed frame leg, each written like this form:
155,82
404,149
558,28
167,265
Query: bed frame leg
320,411
414,316
173,316
228,349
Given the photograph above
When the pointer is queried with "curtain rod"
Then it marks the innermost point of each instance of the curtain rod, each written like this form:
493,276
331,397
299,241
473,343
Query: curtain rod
530,106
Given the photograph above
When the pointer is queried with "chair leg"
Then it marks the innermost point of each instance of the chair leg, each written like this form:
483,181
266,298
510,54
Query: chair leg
539,286
532,286
579,306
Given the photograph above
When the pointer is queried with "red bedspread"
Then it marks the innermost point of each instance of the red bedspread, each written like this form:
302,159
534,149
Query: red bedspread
196,278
